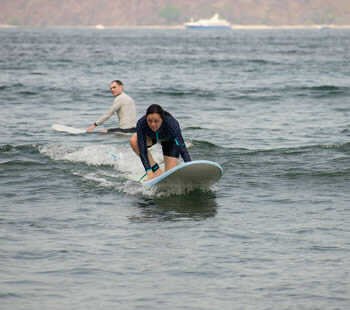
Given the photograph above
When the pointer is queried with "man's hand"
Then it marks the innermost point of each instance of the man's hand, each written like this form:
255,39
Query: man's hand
91,128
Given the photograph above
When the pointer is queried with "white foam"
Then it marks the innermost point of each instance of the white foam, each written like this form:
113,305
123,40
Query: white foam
126,166
95,177
95,155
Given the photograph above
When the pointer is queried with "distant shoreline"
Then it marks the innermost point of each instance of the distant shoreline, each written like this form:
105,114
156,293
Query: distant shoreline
234,27
290,27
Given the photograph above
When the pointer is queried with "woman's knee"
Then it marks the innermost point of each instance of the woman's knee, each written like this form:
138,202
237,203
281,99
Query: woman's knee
133,142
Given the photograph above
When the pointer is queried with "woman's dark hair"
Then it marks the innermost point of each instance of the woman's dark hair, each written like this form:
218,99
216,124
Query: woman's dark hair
156,108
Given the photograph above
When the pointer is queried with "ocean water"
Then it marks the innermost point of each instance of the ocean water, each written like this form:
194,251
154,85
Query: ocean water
271,106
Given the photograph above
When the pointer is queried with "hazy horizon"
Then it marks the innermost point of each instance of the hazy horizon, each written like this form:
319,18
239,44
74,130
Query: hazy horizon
171,13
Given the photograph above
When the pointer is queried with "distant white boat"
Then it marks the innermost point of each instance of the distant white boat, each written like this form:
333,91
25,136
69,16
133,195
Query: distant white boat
100,26
213,23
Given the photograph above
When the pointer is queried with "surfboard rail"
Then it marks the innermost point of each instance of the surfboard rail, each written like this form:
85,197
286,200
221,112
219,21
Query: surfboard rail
187,176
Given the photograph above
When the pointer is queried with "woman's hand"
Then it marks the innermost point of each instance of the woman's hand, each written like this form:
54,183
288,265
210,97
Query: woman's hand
151,175
158,172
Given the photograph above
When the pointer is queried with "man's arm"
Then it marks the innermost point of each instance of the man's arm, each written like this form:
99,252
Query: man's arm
114,108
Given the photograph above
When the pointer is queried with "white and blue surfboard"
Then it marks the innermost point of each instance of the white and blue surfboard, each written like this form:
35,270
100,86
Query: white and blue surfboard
78,131
197,174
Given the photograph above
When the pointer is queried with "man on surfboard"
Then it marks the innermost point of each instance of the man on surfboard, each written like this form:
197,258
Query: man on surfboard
123,106
158,125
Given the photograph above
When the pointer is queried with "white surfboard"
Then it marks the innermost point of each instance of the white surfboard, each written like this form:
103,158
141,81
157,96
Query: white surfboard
68,129
197,174
79,131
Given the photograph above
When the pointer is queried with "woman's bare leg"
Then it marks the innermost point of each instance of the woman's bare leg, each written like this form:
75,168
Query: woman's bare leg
170,162
135,147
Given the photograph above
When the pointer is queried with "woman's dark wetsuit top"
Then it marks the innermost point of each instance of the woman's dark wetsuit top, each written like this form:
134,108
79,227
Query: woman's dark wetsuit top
169,135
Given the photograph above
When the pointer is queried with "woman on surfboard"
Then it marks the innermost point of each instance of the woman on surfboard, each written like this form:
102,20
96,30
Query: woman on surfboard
160,126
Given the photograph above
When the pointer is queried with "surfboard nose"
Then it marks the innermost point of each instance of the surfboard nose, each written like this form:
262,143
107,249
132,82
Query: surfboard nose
187,176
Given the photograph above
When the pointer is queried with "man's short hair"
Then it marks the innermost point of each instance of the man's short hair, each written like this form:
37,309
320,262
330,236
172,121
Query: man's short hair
120,83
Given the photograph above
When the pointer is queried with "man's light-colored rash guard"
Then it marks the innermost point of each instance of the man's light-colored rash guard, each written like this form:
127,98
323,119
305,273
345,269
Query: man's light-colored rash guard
124,107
